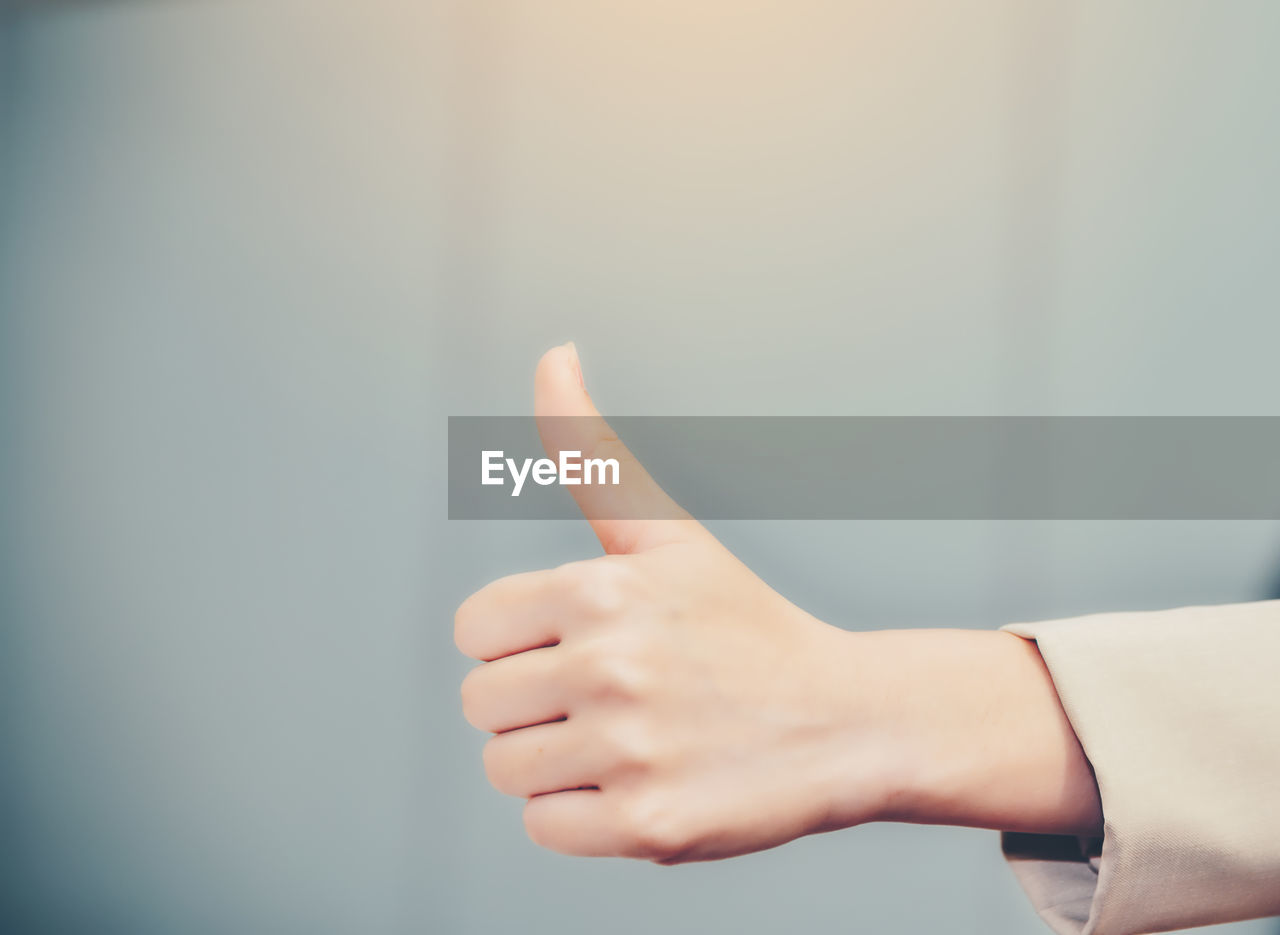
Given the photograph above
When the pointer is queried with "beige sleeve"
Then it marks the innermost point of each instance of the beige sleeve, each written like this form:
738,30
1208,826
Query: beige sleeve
1179,713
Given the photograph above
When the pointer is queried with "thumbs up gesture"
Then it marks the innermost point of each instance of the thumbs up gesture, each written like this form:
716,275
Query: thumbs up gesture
662,702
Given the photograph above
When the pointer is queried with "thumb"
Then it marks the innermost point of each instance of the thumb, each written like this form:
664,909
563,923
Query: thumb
633,515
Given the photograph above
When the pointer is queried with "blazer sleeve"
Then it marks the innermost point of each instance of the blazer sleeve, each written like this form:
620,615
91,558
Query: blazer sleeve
1179,714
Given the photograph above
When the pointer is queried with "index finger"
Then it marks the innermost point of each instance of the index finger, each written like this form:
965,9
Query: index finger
510,615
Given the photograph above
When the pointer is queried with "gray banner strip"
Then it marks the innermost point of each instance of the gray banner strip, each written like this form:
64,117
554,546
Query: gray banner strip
814,467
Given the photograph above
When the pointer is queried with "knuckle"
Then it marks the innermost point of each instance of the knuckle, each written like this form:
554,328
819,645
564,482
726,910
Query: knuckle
536,825
653,829
496,767
605,444
612,670
604,587
633,747
465,626
471,693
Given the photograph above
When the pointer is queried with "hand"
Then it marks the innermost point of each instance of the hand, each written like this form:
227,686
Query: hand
662,702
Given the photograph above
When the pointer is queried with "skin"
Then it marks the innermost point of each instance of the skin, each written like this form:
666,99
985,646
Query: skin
661,702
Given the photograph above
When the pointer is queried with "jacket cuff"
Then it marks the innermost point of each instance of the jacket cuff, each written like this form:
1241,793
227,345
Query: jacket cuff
1179,714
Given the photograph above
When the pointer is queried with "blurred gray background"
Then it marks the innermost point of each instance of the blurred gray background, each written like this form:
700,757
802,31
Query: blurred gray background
254,252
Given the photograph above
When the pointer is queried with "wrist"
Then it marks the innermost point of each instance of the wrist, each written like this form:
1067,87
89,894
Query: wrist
964,727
